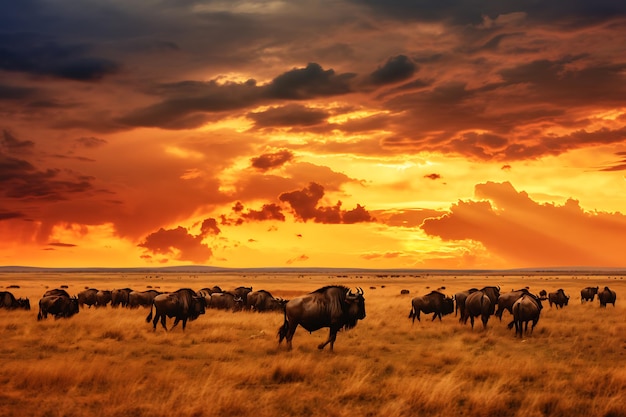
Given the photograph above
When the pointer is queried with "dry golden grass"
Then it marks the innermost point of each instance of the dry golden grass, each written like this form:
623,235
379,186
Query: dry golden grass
109,362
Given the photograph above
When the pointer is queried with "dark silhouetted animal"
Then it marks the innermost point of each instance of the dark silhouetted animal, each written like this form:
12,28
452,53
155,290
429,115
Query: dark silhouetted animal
481,303
526,309
120,297
607,296
433,302
58,306
209,291
142,298
588,294
8,301
182,304
262,300
506,301
335,307
56,291
87,297
403,292
460,298
242,292
558,298
224,301
543,295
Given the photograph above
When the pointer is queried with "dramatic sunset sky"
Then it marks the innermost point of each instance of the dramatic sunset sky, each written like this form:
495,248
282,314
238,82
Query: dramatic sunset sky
328,133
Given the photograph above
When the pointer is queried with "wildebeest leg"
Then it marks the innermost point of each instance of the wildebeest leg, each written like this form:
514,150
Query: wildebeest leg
436,315
485,319
471,321
290,333
332,336
176,323
511,324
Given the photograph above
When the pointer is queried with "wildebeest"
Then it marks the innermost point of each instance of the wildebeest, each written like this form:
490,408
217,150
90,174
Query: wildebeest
120,297
209,291
141,298
56,291
183,304
335,307
543,295
405,291
103,297
57,305
558,298
481,303
433,302
506,301
588,294
527,308
607,296
8,301
242,292
460,298
263,300
87,297
224,301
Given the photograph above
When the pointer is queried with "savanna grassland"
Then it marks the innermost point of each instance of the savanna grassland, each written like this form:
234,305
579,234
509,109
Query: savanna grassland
109,362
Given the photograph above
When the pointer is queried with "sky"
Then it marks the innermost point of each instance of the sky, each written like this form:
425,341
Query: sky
325,133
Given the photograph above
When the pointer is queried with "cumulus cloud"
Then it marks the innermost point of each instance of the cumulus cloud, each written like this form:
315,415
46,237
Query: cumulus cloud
179,244
530,234
272,160
304,204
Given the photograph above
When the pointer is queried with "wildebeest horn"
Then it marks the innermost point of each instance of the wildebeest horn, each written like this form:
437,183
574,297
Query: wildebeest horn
359,291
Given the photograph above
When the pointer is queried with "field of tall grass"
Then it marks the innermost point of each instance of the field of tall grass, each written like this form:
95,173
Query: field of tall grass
109,362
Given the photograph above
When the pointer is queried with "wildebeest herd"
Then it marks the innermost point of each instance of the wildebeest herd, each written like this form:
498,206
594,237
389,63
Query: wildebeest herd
335,307
524,306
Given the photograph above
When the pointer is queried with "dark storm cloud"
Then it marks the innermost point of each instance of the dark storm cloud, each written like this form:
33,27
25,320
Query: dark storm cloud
186,103
304,204
43,56
10,92
179,244
462,12
396,69
287,116
272,160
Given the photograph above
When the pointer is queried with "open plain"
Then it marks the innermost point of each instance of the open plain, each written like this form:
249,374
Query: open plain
109,362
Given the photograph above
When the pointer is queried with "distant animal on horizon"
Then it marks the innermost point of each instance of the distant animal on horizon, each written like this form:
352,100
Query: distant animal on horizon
335,307
558,298
588,294
526,309
434,302
183,304
607,296
8,301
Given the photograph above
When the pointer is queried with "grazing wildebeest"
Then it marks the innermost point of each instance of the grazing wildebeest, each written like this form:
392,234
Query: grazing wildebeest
588,294
558,298
481,303
335,307
120,297
103,297
242,292
183,304
8,301
460,298
543,295
527,308
87,297
262,300
607,296
142,298
433,302
224,301
57,305
209,291
56,291
506,301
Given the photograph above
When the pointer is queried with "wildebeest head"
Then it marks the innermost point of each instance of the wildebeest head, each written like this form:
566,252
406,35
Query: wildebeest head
72,306
448,306
355,307
24,303
198,307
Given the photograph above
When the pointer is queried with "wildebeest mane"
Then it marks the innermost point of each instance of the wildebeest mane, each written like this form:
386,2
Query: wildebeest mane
326,288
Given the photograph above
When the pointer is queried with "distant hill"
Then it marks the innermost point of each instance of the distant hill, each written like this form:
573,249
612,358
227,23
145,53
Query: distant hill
203,269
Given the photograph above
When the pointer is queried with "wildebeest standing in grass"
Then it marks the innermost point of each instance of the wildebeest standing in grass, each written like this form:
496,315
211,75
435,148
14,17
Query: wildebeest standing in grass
57,305
558,298
335,307
56,291
142,298
433,302
506,301
481,303
263,300
460,298
103,297
8,301
242,292
224,301
183,304
87,297
588,294
607,296
120,297
526,309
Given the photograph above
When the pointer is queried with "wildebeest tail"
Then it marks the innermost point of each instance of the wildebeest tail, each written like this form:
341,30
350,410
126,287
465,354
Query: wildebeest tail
150,315
282,330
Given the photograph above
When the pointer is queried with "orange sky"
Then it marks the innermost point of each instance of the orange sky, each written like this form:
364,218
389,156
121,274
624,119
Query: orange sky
396,134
